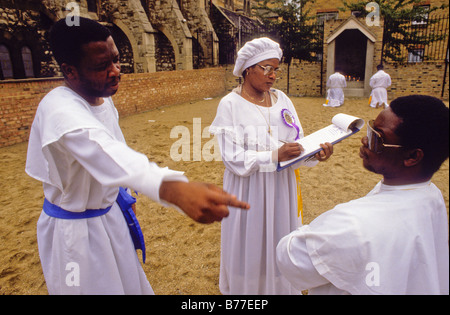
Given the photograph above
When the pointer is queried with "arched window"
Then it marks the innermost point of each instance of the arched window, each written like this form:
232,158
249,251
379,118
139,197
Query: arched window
6,71
27,62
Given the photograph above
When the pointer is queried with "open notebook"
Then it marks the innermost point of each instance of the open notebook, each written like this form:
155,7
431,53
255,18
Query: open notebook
342,126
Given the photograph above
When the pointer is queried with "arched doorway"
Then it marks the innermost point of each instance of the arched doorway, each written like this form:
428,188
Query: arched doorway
164,53
351,47
125,49
6,70
350,54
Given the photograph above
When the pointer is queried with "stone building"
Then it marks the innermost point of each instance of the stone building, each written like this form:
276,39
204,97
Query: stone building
164,35
152,35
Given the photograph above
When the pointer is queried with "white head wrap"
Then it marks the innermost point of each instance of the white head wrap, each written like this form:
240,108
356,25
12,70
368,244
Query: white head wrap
255,51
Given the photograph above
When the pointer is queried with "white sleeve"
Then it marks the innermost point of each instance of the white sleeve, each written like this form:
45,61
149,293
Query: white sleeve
343,82
388,81
113,163
243,162
295,263
372,82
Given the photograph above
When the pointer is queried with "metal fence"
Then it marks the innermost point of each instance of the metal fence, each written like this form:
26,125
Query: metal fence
232,38
412,41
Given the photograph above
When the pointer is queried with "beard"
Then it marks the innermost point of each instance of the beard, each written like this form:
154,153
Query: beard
99,89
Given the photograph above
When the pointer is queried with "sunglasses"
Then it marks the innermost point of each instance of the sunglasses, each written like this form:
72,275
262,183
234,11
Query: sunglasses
376,142
269,70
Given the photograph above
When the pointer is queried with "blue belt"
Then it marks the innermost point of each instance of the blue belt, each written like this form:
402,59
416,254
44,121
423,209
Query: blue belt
56,212
124,200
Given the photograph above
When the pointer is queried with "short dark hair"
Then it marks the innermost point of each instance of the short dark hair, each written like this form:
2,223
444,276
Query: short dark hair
380,67
66,41
425,125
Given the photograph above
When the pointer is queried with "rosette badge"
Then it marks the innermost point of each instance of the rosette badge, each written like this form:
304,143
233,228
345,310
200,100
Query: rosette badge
289,120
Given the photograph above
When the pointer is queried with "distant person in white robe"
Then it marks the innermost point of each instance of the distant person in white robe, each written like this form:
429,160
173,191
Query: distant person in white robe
395,239
253,137
77,150
335,93
379,83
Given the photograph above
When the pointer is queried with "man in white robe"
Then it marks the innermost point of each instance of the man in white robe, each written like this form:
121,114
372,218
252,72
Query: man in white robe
77,150
379,83
395,239
335,93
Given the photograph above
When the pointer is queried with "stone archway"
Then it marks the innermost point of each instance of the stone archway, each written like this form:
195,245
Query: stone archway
143,53
351,48
165,54
125,48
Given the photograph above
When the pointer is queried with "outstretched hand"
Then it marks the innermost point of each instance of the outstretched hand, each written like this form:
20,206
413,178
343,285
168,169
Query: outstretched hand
204,203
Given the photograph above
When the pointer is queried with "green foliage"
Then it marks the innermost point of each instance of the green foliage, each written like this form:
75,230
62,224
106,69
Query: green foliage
405,23
298,34
394,9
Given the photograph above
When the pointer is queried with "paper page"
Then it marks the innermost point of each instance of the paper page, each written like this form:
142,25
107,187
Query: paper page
312,142
347,122
343,126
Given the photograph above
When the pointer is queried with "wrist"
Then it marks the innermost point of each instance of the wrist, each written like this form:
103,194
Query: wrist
275,156
168,191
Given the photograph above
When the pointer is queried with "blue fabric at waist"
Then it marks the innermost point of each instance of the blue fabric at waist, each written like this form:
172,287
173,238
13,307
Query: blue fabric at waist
57,212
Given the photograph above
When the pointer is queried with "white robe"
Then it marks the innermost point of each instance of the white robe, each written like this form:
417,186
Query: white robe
335,94
392,241
249,238
79,153
379,82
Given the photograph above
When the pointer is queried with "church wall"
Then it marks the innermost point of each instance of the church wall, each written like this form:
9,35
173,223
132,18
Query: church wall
139,92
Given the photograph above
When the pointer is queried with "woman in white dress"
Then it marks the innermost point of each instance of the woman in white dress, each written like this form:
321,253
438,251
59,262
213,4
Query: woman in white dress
254,133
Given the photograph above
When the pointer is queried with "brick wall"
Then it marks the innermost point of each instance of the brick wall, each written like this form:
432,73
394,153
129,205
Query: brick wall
145,91
18,102
415,78
418,78
138,93
304,79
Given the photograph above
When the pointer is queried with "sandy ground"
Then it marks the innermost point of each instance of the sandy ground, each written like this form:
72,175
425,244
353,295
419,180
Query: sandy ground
182,256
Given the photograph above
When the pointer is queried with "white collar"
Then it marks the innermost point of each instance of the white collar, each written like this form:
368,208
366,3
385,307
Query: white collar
385,187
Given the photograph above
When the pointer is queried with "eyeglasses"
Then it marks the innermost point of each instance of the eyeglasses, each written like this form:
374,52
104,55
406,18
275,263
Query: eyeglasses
376,142
269,70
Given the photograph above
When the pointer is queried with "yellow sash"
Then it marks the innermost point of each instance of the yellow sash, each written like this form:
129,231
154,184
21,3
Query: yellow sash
299,196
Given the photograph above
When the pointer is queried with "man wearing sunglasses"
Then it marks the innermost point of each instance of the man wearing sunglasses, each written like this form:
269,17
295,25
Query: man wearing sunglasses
395,239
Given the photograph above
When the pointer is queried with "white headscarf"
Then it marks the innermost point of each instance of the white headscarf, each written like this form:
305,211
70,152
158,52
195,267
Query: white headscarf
255,51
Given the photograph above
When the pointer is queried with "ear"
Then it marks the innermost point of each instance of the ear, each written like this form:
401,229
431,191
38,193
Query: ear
413,157
69,71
